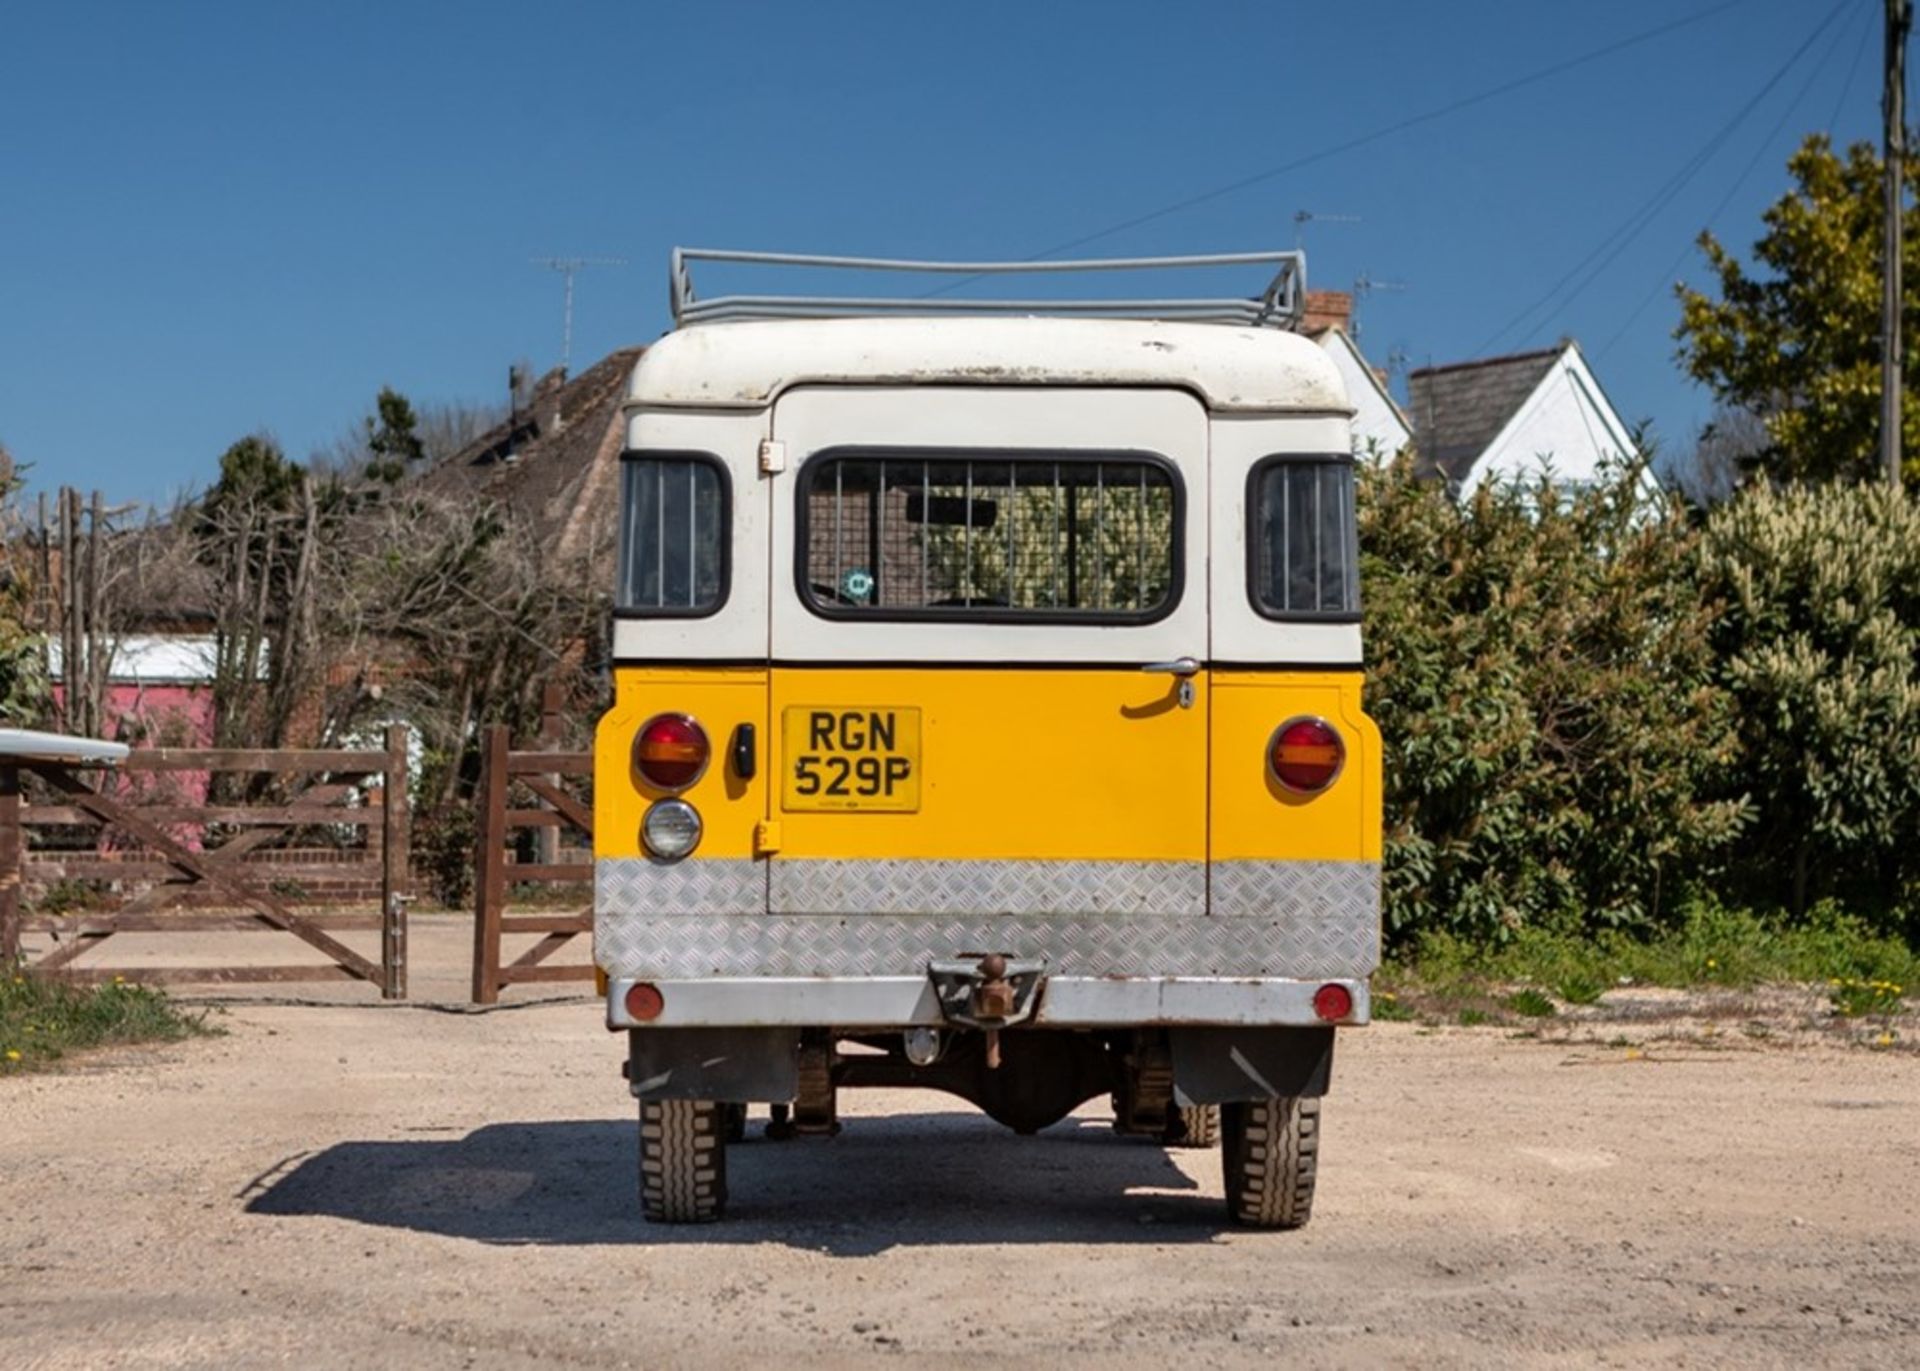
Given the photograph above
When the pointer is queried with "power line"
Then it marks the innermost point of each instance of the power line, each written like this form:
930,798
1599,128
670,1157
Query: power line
1846,87
1385,131
1713,215
1617,241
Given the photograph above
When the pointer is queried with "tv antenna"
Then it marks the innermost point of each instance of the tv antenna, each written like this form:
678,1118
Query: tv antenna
1363,286
1303,217
569,267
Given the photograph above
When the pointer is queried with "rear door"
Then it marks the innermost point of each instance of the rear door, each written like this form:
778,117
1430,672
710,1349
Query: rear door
967,586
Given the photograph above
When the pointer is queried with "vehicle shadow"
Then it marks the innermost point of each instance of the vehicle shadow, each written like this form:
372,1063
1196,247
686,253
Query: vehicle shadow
898,1181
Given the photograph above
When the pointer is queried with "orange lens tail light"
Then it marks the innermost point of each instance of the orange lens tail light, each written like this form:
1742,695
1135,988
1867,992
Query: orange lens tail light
1306,755
671,751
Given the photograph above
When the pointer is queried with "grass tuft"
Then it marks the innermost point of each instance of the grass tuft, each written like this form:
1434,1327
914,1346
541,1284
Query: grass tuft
43,1020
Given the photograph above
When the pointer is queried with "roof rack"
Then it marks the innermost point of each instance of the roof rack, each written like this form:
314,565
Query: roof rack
1279,305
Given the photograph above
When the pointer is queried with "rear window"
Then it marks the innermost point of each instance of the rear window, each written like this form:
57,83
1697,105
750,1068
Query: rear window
1038,537
1302,542
673,544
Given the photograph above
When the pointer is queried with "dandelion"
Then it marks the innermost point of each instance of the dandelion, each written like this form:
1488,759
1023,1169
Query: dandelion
1885,1040
1711,963
119,980
13,1054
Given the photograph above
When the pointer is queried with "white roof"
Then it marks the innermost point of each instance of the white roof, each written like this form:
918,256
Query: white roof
155,659
745,365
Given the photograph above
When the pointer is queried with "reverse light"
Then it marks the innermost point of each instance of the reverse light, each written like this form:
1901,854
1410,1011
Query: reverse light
645,1003
671,751
670,829
1332,1003
1305,755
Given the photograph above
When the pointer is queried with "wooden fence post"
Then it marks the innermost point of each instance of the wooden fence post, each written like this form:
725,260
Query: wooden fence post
395,840
12,863
490,871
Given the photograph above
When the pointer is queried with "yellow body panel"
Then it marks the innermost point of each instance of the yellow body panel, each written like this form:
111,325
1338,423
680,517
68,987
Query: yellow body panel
1017,762
1253,816
1035,763
721,699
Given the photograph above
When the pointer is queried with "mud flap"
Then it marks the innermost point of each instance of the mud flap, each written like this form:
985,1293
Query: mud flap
1221,1065
713,1063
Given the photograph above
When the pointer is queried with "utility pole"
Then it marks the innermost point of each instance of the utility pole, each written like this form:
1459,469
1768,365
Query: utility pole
1893,114
568,267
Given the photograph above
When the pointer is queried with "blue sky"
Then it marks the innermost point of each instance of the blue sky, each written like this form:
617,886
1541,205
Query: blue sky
222,218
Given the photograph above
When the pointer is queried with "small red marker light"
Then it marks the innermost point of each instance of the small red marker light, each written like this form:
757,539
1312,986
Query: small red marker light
671,751
1306,755
645,1003
1331,1002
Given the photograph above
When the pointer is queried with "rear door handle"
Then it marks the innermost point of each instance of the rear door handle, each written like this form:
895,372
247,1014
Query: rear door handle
744,761
1186,668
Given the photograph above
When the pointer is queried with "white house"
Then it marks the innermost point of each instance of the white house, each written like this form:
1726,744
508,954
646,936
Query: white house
1512,416
1380,430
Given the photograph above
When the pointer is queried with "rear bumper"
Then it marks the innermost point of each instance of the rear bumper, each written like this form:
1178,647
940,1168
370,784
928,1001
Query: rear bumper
888,1002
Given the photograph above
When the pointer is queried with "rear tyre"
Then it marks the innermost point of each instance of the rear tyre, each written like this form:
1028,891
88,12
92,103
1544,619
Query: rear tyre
1193,1125
683,1160
1269,1152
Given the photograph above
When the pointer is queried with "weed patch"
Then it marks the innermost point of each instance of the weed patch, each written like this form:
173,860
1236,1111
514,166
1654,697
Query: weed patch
43,1020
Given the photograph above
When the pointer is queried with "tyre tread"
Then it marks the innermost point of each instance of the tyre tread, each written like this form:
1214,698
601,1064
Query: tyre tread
683,1161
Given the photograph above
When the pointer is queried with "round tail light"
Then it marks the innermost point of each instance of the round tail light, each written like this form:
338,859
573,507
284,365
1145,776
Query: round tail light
1332,1003
1306,754
671,751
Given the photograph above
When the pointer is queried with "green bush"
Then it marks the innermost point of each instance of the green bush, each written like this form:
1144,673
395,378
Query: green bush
1816,593
1541,671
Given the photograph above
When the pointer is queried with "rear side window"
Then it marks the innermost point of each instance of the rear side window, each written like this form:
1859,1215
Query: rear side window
673,535
1302,543
1012,537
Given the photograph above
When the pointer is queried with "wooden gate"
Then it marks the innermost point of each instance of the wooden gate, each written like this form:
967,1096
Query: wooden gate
521,791
161,843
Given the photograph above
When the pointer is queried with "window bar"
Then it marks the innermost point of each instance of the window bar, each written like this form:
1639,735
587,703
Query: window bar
1319,553
926,534
1073,546
876,522
693,534
1350,526
966,546
1099,536
1012,510
1286,539
839,511
1140,541
1053,548
660,534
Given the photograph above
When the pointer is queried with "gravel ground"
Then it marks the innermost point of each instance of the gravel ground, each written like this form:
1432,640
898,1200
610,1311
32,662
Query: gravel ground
349,1184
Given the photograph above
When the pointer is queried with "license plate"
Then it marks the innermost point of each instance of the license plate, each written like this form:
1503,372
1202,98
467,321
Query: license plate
842,757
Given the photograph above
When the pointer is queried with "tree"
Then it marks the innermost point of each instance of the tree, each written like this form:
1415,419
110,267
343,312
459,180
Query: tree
257,533
1798,343
392,438
24,692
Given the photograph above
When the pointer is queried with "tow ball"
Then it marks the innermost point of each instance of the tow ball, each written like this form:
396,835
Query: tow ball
988,991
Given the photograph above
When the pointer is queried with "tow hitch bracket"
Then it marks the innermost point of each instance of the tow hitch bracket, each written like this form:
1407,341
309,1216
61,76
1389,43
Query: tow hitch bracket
987,991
